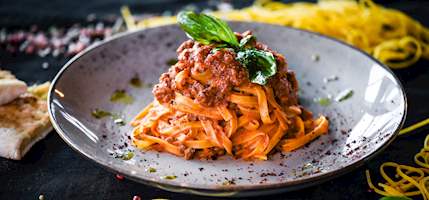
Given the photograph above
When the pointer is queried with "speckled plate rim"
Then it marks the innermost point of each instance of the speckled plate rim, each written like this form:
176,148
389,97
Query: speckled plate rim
230,190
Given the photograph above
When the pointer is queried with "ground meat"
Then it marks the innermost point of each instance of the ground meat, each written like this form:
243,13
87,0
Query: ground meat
284,83
226,73
196,58
189,153
285,88
182,118
162,91
306,114
209,153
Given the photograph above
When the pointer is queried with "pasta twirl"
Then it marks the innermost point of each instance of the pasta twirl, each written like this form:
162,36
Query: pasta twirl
255,138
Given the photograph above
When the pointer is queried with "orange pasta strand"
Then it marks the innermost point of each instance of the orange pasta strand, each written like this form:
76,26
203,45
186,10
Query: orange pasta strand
249,126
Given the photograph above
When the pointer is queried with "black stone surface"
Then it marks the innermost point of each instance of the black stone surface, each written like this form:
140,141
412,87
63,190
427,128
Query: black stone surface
53,169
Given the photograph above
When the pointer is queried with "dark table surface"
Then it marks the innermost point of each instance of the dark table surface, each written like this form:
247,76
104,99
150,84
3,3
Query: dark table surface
55,170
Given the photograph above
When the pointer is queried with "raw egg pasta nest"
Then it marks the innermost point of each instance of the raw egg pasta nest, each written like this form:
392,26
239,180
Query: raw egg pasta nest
389,35
406,180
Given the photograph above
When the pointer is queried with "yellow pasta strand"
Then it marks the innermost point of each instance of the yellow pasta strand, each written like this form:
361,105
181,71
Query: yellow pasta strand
412,180
408,185
389,35
414,127
128,18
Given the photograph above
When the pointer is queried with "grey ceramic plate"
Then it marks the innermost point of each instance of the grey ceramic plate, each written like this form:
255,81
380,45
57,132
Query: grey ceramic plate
360,126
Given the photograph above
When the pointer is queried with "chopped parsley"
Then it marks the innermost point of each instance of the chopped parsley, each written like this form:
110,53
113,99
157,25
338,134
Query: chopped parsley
151,170
127,155
323,101
98,114
170,177
136,82
344,95
121,96
172,61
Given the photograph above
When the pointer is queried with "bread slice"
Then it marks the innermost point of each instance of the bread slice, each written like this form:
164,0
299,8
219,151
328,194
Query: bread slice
23,122
10,87
6,75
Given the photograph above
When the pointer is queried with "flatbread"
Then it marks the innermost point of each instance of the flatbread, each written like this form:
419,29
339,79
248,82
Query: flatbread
6,75
10,87
23,122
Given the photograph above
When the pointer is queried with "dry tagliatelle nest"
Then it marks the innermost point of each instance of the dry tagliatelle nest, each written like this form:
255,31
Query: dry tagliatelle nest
389,35
405,180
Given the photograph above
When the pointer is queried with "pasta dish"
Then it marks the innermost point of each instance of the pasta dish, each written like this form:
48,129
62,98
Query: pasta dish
227,94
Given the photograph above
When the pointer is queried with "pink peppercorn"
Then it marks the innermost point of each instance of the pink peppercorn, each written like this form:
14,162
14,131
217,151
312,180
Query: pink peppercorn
119,177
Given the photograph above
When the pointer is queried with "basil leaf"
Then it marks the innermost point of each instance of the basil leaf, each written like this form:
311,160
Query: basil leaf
246,41
395,198
206,29
261,65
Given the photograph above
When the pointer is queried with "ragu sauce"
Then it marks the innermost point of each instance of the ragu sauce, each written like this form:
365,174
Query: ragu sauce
225,74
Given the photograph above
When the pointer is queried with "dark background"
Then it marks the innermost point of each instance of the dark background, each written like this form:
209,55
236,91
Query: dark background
55,170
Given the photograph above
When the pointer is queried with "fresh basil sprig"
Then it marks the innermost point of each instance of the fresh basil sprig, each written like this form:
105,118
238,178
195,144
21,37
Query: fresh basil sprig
206,29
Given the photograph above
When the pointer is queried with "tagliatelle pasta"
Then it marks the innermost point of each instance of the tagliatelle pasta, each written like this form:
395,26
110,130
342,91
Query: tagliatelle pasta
252,135
387,34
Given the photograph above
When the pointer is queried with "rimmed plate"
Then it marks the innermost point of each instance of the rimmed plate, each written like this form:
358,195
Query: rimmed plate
360,126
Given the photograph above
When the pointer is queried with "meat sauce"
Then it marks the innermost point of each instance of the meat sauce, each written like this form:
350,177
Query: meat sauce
226,73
